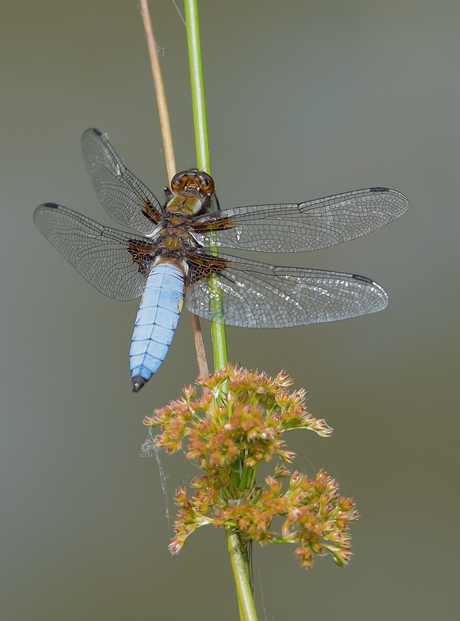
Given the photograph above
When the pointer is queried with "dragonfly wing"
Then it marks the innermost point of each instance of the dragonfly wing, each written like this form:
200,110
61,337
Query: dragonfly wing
116,263
299,227
124,197
257,295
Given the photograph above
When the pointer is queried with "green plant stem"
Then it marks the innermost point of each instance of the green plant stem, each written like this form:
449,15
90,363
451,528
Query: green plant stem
237,556
198,95
243,587
219,339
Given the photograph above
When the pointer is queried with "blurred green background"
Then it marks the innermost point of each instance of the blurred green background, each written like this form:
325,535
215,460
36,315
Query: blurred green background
305,99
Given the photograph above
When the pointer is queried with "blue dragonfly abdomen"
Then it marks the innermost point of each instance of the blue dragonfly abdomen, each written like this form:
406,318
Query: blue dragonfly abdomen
156,321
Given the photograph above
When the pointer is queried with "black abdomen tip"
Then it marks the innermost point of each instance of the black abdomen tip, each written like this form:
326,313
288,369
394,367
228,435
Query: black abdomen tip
138,382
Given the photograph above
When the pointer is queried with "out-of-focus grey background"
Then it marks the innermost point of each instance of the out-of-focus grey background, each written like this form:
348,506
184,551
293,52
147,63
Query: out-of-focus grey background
305,99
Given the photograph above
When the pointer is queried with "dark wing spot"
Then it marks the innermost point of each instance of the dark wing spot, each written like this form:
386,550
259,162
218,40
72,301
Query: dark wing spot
379,189
363,278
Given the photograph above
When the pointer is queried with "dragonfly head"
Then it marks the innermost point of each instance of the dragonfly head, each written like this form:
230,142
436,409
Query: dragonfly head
193,183
191,191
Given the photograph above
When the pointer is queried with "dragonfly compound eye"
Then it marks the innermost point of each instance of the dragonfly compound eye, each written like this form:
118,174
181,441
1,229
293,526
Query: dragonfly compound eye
180,180
205,182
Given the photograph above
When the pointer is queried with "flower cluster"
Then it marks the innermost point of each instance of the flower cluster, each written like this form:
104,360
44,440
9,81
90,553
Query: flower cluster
235,425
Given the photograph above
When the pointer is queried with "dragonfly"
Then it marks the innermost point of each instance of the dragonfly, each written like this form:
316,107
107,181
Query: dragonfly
175,254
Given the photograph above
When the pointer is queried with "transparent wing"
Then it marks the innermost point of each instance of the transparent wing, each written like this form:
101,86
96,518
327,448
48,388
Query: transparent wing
257,295
100,254
120,192
298,227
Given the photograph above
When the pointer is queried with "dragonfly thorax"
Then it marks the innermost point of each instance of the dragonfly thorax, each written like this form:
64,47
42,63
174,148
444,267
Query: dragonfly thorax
182,204
176,234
